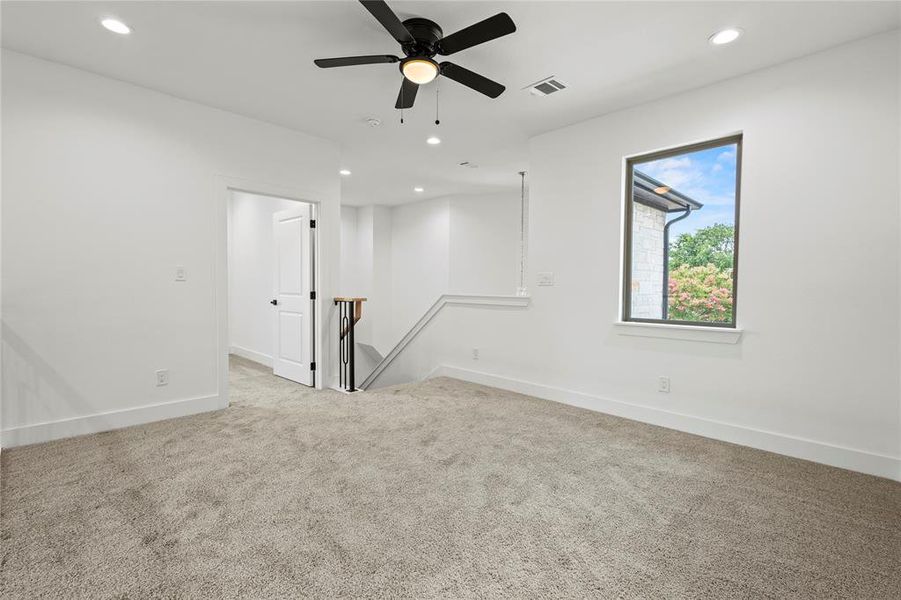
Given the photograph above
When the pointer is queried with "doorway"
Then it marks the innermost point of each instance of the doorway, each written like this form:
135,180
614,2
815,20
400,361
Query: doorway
271,283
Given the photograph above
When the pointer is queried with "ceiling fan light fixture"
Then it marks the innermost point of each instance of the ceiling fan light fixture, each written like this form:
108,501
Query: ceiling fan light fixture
420,70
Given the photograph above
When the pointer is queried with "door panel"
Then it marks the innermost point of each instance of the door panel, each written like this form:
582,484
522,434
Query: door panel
290,250
293,268
291,342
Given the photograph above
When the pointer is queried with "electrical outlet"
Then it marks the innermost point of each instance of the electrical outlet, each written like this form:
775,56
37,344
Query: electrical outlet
475,354
545,278
162,377
181,274
663,385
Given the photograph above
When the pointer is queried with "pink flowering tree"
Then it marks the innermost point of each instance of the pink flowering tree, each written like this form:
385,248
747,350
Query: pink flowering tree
700,293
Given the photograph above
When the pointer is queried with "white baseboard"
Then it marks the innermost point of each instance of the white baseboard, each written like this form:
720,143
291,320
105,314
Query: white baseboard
257,357
106,421
820,452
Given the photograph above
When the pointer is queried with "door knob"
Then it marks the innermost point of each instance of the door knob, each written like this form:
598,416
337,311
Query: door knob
273,302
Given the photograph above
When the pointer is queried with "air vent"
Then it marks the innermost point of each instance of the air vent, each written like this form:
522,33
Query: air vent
545,87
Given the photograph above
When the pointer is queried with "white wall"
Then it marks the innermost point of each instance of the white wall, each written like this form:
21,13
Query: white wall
380,290
420,260
815,374
107,187
456,244
354,264
484,244
251,253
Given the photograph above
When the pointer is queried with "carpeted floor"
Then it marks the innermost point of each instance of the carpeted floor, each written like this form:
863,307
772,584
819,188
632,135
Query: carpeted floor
440,489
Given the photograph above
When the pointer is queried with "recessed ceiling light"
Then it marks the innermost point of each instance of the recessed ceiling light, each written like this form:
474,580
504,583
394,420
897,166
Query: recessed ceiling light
726,36
418,189
662,189
116,26
344,172
433,140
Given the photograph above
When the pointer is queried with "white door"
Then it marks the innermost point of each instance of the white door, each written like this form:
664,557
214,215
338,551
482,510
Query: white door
293,308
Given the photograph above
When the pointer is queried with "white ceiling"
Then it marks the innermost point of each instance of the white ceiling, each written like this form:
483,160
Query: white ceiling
255,59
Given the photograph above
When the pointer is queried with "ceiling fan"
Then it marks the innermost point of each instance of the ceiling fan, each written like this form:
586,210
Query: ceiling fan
421,40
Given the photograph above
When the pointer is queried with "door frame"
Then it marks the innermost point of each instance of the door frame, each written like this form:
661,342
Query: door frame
223,188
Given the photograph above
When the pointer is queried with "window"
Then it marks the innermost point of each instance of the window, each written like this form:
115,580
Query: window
681,254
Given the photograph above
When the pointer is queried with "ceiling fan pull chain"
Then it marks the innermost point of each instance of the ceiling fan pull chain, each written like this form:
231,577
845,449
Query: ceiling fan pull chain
437,91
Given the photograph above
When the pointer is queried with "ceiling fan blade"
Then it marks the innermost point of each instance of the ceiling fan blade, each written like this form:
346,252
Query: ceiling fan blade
384,15
349,61
407,94
484,31
492,89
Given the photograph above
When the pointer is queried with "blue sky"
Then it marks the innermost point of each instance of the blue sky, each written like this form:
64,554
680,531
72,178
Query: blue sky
707,176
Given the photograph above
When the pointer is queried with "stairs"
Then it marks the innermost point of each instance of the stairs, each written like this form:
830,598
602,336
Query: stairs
475,300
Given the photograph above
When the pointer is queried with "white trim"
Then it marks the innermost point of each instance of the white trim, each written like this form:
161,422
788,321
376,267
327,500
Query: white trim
691,333
837,456
105,421
441,302
486,300
257,357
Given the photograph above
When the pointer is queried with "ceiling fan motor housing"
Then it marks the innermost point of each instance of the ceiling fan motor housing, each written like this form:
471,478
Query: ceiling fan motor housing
426,35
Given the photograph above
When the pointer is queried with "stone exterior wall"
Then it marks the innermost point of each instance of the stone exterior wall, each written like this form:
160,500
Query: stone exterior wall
647,261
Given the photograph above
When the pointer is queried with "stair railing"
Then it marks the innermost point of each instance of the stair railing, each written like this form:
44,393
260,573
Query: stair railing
350,311
472,300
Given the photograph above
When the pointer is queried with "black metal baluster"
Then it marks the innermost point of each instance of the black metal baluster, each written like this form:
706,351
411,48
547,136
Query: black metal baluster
353,314
347,314
344,341
340,343
347,318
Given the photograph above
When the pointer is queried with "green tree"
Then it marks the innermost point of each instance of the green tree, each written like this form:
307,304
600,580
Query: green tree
708,246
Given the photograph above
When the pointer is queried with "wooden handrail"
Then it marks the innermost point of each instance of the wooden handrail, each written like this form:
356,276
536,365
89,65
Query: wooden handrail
358,311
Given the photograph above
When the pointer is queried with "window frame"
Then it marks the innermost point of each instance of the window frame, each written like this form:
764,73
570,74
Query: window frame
738,140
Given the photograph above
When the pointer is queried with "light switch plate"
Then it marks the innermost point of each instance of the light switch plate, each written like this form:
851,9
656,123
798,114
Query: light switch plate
181,274
545,278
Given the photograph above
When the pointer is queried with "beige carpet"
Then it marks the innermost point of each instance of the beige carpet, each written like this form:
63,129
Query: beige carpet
441,489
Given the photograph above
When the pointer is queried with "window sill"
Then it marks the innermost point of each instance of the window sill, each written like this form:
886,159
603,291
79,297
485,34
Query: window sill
691,333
